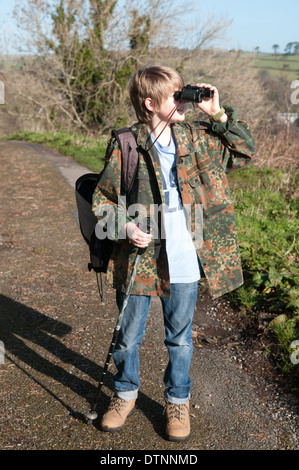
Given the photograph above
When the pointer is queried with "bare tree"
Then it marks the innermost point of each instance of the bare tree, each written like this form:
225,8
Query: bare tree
86,51
83,52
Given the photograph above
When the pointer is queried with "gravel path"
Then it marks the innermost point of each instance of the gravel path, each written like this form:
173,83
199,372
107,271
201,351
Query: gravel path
56,332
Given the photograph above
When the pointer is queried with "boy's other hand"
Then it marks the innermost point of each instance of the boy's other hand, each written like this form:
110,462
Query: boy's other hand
136,236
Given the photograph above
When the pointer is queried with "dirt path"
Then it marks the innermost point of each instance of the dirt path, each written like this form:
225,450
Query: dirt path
56,332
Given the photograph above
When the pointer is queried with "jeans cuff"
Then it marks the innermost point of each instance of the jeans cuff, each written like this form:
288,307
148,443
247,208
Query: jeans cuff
127,394
176,400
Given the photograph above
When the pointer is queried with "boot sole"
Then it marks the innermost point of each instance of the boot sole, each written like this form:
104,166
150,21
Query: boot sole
109,429
177,438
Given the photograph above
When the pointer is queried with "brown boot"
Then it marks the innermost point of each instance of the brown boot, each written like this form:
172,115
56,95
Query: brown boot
177,421
117,413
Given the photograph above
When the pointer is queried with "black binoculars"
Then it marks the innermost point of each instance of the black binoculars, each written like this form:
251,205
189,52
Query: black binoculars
194,94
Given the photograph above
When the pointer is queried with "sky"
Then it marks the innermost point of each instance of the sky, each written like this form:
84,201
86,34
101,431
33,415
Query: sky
258,23
255,23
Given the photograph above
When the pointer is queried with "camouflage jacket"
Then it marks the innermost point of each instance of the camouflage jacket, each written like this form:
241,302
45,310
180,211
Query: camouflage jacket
205,154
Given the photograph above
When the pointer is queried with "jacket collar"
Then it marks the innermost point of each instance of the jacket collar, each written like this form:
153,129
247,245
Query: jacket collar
182,142
179,132
142,135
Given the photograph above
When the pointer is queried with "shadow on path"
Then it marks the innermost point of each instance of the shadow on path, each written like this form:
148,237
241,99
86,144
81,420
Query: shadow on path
20,323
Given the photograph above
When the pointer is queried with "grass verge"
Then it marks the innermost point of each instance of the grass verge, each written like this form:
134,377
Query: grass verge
87,152
266,209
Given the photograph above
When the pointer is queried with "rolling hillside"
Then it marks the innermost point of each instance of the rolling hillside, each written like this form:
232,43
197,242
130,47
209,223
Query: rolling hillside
275,64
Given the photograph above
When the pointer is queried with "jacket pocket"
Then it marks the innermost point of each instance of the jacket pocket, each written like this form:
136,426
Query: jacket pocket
210,187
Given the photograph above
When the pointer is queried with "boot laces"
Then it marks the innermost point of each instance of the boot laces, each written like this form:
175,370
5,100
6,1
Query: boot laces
176,411
117,404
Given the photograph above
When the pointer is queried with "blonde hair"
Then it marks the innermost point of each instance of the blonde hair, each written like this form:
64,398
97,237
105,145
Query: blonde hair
155,82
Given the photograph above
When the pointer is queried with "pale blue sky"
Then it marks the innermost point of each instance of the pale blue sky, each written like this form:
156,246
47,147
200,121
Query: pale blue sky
258,22
255,22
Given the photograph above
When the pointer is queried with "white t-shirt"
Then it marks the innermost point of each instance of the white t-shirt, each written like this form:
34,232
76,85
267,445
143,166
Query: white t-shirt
181,253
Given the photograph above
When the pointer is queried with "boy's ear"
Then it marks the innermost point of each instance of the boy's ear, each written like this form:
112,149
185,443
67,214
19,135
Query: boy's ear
149,104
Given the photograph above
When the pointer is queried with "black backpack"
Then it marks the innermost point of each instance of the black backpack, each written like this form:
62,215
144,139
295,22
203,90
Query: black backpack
100,250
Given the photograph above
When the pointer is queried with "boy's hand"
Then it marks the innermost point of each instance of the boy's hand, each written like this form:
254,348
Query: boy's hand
137,236
211,106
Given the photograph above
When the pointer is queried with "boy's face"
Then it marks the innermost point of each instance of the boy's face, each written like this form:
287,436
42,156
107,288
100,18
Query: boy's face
167,106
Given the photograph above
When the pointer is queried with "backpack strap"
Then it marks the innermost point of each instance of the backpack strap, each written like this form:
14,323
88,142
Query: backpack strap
127,144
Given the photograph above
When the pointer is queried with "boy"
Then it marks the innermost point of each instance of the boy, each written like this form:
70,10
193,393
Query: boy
181,168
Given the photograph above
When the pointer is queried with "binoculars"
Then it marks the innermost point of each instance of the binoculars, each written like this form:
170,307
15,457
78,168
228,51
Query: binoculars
194,94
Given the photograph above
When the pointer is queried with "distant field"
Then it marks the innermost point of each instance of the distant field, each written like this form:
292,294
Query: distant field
274,64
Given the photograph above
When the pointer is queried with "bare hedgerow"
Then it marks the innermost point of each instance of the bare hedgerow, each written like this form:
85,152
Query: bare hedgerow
30,102
84,52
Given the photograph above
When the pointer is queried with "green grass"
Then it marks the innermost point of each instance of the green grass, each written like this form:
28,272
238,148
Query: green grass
87,152
268,228
275,64
266,212
286,333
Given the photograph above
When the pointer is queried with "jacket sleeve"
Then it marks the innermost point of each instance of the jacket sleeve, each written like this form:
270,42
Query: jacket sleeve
107,203
238,142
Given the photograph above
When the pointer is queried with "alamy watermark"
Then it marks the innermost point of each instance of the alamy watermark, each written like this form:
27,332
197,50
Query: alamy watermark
295,94
295,353
111,223
2,352
2,93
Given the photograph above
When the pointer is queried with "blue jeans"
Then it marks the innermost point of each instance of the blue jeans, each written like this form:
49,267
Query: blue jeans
178,315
